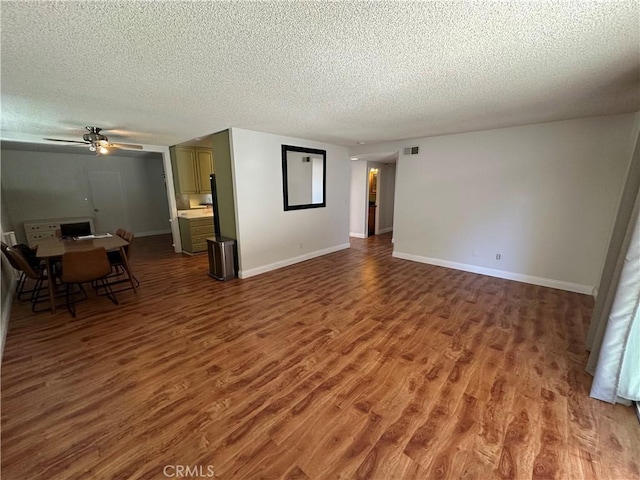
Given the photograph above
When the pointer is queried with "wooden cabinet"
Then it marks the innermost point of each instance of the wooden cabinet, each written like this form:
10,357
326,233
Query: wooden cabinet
194,233
204,167
38,229
184,172
191,169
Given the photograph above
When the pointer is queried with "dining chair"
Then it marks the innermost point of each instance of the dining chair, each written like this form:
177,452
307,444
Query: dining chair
40,292
117,263
85,266
22,279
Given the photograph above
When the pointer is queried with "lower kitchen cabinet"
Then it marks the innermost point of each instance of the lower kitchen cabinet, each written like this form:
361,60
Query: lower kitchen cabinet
194,233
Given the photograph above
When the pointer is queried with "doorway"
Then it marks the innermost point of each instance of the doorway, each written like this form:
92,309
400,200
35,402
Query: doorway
373,178
373,200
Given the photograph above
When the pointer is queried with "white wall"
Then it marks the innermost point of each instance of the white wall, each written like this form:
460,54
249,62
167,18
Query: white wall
41,185
268,236
543,196
358,199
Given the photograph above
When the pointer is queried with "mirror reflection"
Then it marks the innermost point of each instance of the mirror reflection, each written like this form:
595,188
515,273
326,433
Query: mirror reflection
303,177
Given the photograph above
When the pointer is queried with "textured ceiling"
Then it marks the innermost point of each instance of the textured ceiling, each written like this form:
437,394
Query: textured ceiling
165,72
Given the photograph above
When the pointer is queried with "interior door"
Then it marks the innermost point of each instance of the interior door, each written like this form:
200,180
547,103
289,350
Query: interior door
109,204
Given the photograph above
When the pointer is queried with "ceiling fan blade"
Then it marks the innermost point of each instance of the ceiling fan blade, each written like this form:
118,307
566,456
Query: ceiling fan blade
66,141
125,145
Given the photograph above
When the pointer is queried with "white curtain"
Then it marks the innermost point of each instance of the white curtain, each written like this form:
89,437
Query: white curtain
614,336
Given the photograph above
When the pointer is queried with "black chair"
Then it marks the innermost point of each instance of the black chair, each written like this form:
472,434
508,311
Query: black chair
40,291
22,280
85,266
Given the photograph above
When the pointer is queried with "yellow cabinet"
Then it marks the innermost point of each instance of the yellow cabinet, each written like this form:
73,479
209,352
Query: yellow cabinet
191,169
204,166
194,233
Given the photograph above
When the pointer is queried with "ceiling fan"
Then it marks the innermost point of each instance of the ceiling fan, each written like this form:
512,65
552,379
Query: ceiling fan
97,142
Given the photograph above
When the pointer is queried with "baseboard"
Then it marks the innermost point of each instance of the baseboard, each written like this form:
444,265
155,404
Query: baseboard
154,232
357,235
7,302
594,292
492,272
191,254
385,230
290,261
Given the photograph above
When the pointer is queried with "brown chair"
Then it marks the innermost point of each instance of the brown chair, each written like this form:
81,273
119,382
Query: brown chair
22,279
39,274
85,266
117,262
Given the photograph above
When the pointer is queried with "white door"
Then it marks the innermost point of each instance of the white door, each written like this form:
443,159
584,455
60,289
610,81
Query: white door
109,205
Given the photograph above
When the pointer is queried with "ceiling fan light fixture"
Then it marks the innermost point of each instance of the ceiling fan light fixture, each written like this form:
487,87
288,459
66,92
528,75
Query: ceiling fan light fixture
97,142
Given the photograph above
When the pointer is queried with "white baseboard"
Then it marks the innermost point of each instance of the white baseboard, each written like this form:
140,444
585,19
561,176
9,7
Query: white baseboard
357,235
492,272
595,293
155,232
290,261
385,230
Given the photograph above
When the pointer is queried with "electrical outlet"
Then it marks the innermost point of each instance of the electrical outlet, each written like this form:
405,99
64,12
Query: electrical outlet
498,256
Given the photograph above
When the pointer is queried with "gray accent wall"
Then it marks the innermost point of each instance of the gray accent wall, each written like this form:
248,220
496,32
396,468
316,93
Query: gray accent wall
7,280
41,185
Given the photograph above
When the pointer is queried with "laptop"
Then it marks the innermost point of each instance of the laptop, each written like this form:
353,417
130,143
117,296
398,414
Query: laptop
70,230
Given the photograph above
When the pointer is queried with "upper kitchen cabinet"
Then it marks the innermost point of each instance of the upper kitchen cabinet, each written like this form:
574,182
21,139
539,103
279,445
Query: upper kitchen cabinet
204,165
191,169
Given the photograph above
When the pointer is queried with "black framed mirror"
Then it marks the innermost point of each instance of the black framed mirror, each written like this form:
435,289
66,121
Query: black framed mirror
304,177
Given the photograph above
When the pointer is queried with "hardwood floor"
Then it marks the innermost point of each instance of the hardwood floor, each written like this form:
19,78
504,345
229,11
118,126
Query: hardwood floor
352,365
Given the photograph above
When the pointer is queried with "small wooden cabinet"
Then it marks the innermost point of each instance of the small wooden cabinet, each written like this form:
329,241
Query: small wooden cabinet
204,167
194,233
38,229
191,169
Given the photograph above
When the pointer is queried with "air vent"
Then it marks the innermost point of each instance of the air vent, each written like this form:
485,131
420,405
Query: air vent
411,150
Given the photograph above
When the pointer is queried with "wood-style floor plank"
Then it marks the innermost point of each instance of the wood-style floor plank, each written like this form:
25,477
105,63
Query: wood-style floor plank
351,365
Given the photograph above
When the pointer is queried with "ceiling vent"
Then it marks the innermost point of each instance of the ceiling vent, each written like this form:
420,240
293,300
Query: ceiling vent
411,150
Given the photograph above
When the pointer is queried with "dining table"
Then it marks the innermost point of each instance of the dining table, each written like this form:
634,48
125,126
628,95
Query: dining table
50,249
